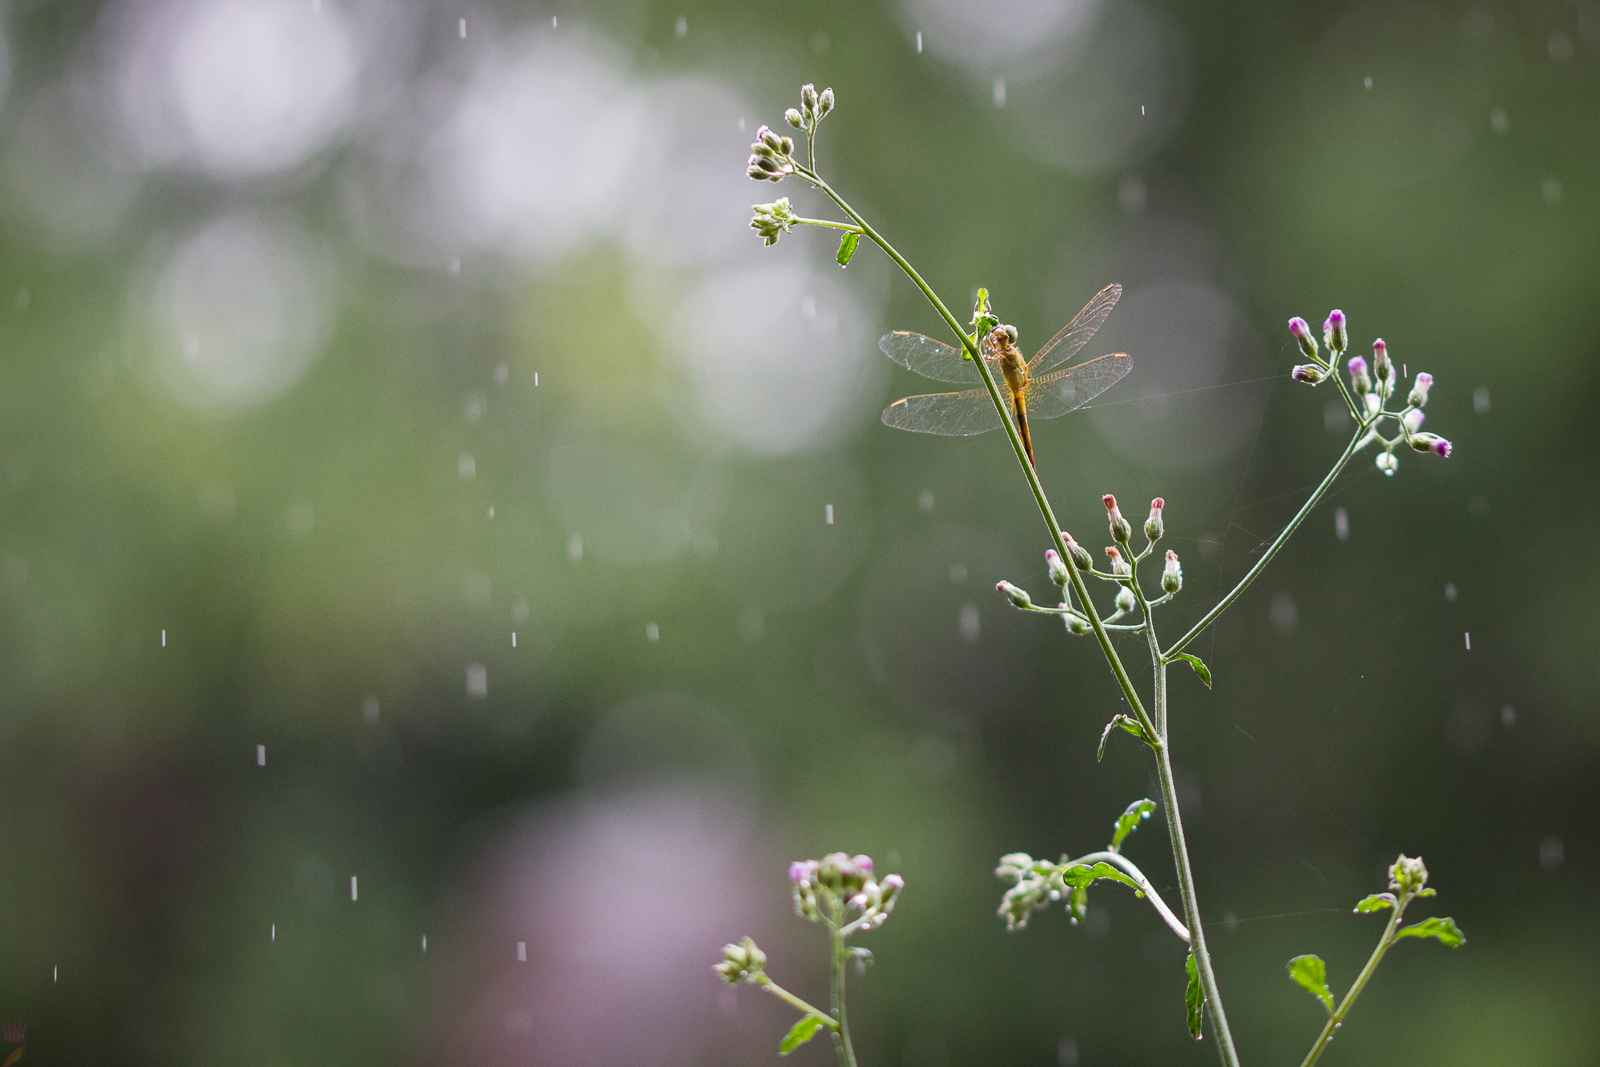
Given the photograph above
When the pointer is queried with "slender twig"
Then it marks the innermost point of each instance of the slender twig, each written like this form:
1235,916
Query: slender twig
1117,859
795,1002
841,1028
1336,1019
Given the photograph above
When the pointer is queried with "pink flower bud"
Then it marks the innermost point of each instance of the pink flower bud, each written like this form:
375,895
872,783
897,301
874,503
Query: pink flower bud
1333,331
1153,526
1302,333
1120,529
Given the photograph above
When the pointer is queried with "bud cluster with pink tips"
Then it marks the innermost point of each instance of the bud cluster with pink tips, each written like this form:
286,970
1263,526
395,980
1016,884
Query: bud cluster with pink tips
839,883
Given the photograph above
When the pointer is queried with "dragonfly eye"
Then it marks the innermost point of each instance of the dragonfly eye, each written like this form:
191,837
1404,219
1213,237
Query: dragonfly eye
1011,333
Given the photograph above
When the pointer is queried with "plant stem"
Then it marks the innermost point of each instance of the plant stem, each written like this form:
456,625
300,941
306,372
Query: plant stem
1117,859
967,342
1272,549
1336,1019
1180,859
828,224
841,1027
795,1002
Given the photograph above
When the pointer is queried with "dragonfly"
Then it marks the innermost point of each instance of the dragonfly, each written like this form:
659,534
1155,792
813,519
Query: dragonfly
1038,390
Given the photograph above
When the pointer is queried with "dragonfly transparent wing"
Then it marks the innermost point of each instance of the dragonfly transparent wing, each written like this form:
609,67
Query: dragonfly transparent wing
948,414
1056,394
929,358
1075,334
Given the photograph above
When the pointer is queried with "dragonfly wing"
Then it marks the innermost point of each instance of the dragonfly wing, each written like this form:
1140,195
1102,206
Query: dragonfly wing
948,414
1058,393
1075,334
929,358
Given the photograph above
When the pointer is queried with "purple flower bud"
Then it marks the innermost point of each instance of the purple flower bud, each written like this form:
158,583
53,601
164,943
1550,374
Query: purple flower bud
864,862
1380,360
1430,442
1153,526
801,870
1413,419
1333,331
1309,373
1121,530
1302,333
1018,597
1058,570
1359,380
1080,555
1419,389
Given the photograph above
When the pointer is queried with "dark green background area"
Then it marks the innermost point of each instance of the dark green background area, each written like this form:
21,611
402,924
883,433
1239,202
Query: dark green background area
145,856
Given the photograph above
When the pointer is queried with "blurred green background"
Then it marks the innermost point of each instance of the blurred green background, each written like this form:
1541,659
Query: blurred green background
414,488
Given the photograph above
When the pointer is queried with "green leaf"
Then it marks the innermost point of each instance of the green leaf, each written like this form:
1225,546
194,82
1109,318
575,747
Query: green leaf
799,1034
1128,723
1376,902
1194,998
1443,929
847,247
983,319
1199,668
1310,974
1079,875
1129,821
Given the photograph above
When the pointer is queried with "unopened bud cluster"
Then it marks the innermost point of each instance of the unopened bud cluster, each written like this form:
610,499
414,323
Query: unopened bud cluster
742,962
1409,876
771,156
839,883
773,220
1039,883
814,107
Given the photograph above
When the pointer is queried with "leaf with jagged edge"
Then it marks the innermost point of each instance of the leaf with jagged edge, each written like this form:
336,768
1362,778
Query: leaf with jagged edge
1129,821
1376,902
1311,974
1442,928
1199,667
799,1034
1194,998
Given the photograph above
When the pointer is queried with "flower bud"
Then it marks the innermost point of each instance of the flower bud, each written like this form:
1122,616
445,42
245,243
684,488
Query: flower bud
1381,366
1419,389
808,102
1119,566
770,139
1018,597
1387,463
1302,333
792,117
1430,442
1126,601
1360,381
1373,402
1412,419
1309,373
1153,526
824,103
1120,528
1080,555
1058,569
1333,331
741,961
1408,875
1078,625
1172,574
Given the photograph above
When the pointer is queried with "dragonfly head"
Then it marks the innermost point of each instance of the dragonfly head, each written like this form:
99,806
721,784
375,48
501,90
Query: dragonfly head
1010,332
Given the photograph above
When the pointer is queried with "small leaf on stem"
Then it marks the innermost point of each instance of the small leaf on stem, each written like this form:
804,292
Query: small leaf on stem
1310,974
847,247
799,1034
1199,668
1079,875
1128,723
1376,902
1194,998
1129,821
1442,928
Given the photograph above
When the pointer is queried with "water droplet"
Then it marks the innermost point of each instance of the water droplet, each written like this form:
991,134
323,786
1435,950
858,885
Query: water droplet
352,887
969,622
827,514
1498,121
1550,189
919,42
999,92
1341,524
502,374
652,632
369,710
925,501
958,572
1367,81
163,639
477,680
424,942
522,952
1450,592
1469,642
466,466
682,27
1141,109
513,639
274,931
575,548
461,28
1508,716
1480,400
261,755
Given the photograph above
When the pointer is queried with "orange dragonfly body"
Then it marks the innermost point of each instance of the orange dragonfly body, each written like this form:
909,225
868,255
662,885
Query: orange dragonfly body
1038,390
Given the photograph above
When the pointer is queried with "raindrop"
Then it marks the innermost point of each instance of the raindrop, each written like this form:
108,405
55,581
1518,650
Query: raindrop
1067,1053
1550,189
1480,400
491,511
1285,616
455,267
261,755
1230,922
473,405
1132,194
369,710
999,92
752,624
519,611
958,572
466,466
513,639
424,942
502,374
1498,121
1552,853
919,42
1341,524
536,379
1141,109
522,952
969,622
477,680
1478,507
652,632
827,514
1367,81
553,21
163,639
575,548
925,501
1508,716
1469,642
352,887
1560,48
821,42
274,931
683,27
24,298
55,973
1450,592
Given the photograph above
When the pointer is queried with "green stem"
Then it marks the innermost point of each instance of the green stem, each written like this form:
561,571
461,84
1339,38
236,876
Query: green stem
795,1002
828,224
1336,1019
841,1026
967,342
1272,549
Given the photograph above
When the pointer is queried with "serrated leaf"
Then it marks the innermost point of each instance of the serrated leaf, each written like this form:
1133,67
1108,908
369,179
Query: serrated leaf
799,1034
1129,821
1310,974
1128,723
847,247
1080,875
1442,928
1376,902
1199,667
1194,998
